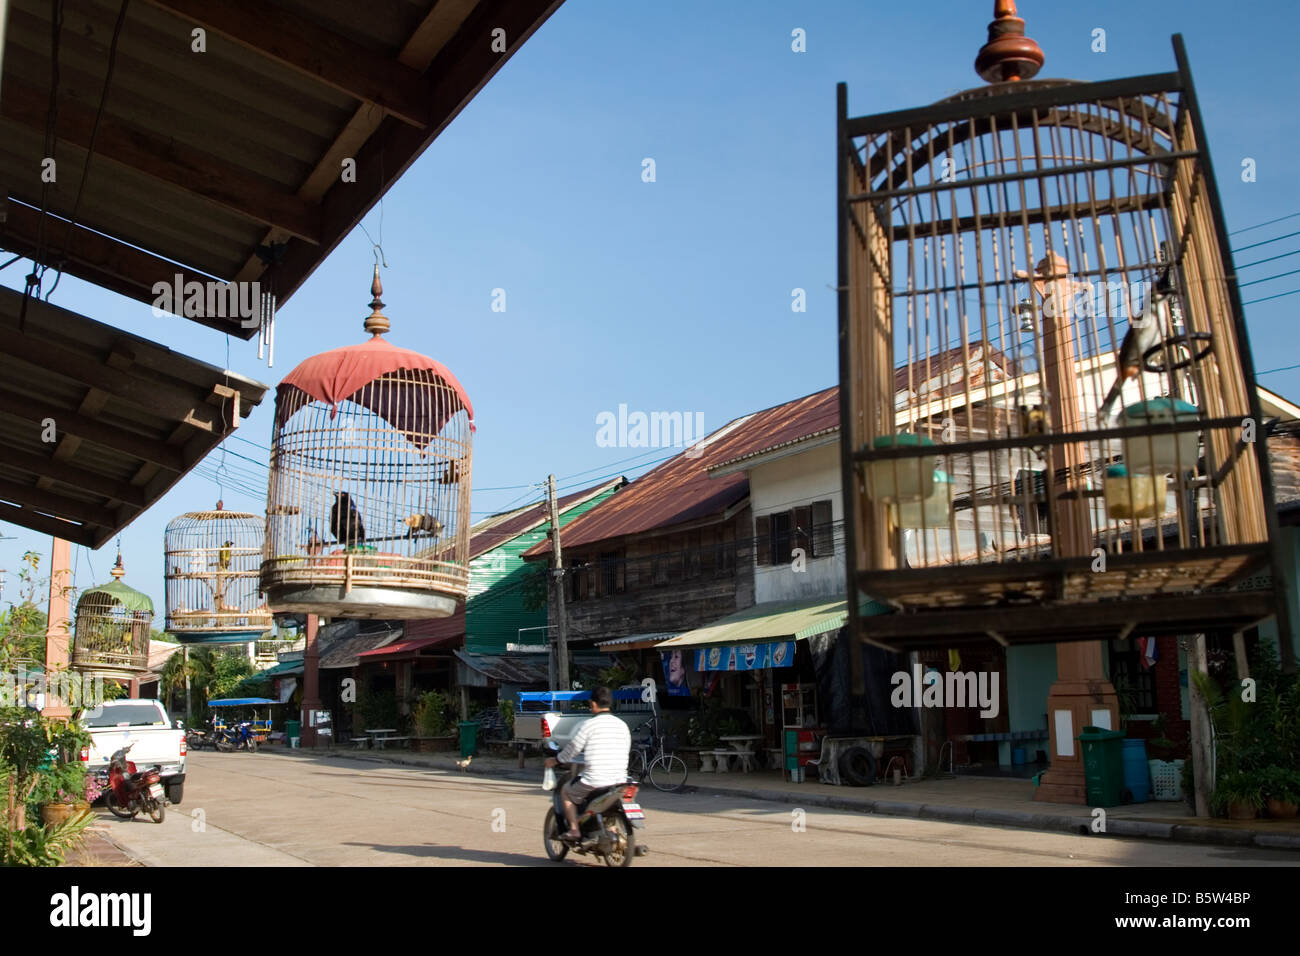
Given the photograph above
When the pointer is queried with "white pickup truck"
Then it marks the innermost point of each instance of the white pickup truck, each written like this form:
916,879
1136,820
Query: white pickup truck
539,717
144,723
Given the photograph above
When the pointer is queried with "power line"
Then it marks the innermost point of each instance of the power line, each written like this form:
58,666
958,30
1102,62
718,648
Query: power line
1267,297
1262,224
1265,242
1284,368
1280,275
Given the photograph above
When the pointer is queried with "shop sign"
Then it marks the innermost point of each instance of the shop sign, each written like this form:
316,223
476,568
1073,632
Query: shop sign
745,657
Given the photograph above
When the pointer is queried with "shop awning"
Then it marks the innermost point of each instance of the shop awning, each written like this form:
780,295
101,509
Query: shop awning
636,642
401,650
283,669
772,621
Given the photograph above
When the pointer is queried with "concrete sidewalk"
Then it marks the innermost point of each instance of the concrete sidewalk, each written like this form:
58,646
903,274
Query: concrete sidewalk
973,800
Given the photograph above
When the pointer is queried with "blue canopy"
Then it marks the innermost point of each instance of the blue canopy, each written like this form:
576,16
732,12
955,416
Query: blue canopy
553,696
241,702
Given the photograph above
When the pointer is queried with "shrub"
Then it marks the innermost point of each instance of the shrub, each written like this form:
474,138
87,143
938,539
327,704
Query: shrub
431,718
1280,783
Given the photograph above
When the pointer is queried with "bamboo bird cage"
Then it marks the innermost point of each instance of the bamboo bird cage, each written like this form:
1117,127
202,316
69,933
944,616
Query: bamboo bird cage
111,630
212,564
368,506
1008,255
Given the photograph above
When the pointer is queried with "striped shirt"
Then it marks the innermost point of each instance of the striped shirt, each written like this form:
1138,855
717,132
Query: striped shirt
604,742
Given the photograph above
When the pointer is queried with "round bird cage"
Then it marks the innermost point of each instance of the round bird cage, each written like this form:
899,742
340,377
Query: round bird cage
111,633
212,566
368,501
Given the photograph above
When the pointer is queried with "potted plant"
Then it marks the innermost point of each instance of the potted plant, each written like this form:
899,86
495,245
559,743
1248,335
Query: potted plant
1238,795
1281,788
61,793
433,730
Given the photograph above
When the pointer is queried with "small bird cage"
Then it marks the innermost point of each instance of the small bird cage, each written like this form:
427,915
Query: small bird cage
369,495
1036,304
212,569
111,630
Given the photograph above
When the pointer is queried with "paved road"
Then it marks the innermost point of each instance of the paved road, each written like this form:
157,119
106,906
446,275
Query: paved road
272,809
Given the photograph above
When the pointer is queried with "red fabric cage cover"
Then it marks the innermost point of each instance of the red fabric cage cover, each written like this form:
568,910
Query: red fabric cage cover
340,374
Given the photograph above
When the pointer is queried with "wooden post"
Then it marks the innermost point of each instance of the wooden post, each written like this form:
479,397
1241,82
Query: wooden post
58,628
464,703
1202,747
189,710
310,682
557,581
1239,650
1081,695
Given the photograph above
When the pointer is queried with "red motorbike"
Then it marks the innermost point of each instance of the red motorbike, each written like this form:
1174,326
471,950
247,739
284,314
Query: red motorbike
131,792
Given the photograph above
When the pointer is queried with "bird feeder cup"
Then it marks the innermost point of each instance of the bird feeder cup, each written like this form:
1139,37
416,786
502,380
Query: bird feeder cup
211,566
111,630
368,505
1020,265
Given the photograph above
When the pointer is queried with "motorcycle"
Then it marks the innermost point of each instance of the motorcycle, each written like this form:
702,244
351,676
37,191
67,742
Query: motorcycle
238,737
607,821
130,791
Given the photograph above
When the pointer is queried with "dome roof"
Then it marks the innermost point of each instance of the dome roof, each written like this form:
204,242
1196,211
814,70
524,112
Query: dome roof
128,597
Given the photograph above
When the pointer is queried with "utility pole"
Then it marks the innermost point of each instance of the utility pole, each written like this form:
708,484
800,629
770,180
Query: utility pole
557,581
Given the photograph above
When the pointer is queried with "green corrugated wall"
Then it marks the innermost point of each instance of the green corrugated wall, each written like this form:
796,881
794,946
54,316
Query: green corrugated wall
494,612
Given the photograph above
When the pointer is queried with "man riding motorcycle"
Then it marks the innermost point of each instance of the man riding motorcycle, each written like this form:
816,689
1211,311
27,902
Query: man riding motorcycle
604,742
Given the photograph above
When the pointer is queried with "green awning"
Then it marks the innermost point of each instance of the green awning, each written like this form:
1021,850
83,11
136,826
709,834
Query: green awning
775,620
282,669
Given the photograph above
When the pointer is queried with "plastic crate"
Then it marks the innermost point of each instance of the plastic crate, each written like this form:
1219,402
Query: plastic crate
1166,779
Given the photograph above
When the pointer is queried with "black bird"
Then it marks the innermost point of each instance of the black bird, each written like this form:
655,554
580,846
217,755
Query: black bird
345,521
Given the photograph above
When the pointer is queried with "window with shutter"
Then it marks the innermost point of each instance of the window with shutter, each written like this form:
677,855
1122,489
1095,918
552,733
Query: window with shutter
803,529
823,530
782,536
763,540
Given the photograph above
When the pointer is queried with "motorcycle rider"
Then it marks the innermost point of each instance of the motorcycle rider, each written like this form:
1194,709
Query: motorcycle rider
604,742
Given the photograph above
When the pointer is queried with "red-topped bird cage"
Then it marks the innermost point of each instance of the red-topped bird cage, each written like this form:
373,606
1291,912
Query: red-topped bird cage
369,494
1048,400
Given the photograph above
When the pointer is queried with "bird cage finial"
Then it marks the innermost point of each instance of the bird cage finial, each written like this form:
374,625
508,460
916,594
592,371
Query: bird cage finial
376,322
119,570
1008,54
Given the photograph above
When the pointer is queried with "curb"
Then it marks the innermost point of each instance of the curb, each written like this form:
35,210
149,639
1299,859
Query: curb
1050,822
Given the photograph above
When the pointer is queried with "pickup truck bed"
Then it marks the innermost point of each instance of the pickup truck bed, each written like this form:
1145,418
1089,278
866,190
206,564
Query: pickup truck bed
551,723
145,724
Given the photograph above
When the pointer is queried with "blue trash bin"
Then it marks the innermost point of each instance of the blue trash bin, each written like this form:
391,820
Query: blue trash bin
1137,778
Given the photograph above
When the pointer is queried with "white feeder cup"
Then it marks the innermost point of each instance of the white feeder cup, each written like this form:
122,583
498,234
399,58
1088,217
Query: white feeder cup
1130,496
896,480
1161,454
934,510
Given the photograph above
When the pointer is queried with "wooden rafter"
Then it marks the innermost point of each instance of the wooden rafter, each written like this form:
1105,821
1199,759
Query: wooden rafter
165,160
314,51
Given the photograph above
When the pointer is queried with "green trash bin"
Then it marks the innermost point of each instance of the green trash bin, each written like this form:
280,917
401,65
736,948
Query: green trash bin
1103,765
468,737
292,732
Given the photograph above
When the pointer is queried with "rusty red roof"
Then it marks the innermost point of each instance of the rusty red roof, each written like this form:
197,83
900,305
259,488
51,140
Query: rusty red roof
497,530
680,489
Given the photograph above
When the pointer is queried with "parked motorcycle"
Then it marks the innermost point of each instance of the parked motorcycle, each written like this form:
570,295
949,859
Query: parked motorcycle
607,821
131,792
238,737
197,739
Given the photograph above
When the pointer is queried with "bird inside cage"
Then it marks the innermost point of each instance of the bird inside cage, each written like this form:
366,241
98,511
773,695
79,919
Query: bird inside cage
426,524
345,521
451,474
314,543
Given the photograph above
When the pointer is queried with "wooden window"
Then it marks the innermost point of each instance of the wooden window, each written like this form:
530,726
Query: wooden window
763,540
803,530
1130,679
823,530
691,557
726,560
612,573
782,536
710,539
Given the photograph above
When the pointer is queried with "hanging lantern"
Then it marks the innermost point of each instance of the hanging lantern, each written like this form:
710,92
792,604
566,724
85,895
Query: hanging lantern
111,633
369,494
212,565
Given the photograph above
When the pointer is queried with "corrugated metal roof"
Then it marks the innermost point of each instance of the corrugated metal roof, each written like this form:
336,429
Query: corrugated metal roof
341,642
680,490
508,668
200,158
648,640
497,530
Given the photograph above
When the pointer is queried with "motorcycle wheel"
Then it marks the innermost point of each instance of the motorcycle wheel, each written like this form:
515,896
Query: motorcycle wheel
118,811
224,746
157,811
625,842
252,746
556,848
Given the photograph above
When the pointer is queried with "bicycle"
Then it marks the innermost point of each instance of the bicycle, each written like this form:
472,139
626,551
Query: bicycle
666,770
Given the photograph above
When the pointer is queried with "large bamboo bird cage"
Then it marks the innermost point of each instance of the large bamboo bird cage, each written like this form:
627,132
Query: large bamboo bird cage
1006,257
212,571
369,495
111,630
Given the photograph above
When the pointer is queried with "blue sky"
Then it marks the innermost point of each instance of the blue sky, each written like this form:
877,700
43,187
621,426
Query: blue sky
675,295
